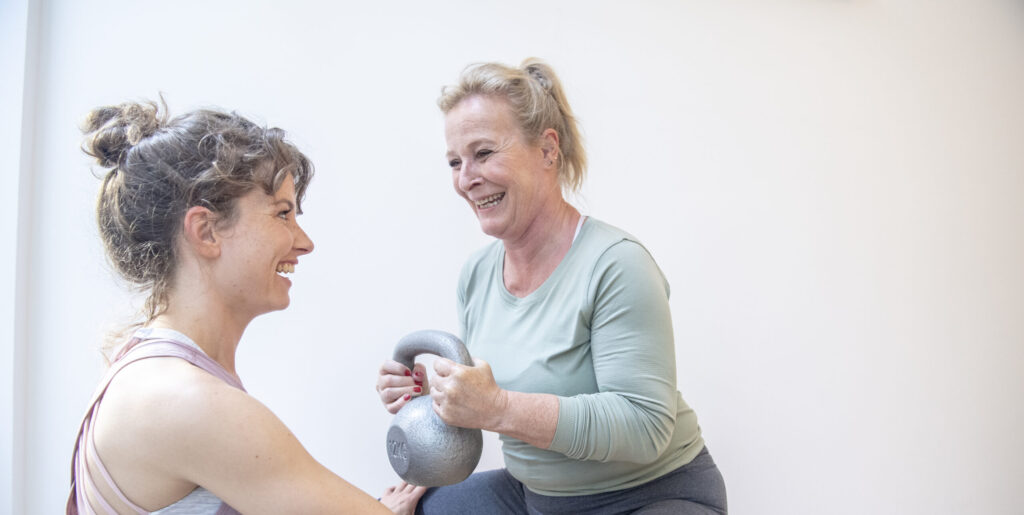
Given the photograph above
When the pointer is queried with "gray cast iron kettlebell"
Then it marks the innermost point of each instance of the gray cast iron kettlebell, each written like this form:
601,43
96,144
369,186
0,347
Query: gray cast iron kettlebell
422,449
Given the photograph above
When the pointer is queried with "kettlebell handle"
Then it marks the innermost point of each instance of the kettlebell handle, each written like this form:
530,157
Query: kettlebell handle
429,341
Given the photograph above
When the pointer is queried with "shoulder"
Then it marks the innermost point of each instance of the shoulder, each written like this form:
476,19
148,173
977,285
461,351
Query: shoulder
608,245
604,232
619,257
162,385
162,414
598,239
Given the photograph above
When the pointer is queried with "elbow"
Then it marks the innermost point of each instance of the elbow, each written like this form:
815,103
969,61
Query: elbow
657,429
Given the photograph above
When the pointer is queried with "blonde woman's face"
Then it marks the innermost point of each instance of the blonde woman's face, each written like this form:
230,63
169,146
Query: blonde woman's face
500,175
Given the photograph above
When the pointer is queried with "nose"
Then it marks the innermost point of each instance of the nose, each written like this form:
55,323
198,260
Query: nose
468,177
303,243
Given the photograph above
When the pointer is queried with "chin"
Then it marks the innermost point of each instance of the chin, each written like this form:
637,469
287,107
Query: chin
490,228
281,305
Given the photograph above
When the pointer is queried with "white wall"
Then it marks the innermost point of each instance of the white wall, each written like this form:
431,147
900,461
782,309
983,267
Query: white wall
832,188
18,63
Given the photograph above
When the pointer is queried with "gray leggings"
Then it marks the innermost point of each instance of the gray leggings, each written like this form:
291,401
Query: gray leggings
694,488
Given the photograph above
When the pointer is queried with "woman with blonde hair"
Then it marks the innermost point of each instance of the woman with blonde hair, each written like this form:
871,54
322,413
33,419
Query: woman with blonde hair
569,320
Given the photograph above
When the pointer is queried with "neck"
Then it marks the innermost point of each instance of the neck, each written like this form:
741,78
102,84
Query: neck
530,259
212,327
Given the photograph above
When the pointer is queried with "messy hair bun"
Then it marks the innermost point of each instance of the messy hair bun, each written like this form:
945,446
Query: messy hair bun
114,130
159,168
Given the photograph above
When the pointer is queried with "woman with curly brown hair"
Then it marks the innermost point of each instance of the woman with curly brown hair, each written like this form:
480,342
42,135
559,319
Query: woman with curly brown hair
200,212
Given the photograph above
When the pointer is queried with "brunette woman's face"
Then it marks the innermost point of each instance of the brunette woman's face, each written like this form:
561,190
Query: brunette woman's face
262,244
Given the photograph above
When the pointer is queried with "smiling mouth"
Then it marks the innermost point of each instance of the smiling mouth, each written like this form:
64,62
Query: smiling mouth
286,268
491,201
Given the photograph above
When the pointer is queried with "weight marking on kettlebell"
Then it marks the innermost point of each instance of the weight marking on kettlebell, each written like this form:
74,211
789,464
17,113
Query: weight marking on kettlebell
397,449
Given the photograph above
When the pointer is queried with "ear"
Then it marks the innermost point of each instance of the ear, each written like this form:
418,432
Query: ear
199,231
549,147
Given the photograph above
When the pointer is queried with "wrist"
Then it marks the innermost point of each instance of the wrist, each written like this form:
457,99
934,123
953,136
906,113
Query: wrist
502,406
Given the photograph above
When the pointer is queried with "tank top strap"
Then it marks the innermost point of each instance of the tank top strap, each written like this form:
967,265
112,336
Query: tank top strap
166,348
135,350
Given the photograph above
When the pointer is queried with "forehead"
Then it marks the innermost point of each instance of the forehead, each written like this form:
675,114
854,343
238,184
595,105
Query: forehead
258,197
477,117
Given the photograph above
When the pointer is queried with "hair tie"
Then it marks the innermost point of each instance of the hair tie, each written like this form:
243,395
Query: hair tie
539,77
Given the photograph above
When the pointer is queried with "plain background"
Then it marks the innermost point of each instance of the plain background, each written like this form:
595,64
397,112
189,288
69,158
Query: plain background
833,188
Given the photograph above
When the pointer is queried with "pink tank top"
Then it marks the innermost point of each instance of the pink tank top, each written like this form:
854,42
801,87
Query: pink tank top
137,349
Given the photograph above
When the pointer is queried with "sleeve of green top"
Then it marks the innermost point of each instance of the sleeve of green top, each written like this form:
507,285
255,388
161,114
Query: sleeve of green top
632,416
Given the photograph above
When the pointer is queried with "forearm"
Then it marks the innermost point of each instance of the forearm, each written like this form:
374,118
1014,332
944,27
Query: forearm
530,417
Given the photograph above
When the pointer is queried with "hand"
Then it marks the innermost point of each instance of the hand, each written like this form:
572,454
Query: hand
467,396
403,497
397,385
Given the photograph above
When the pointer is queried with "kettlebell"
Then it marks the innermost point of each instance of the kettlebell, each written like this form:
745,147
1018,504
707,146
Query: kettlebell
422,449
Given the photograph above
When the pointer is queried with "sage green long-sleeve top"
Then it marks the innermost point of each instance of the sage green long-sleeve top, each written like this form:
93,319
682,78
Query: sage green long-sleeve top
597,334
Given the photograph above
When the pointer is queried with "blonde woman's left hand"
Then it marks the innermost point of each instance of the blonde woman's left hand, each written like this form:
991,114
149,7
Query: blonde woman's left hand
467,396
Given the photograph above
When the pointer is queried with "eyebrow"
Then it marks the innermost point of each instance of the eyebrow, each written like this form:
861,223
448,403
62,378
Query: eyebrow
472,145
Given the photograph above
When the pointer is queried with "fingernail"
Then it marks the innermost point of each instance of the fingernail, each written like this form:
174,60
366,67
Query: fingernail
408,373
417,374
419,382
417,389
407,396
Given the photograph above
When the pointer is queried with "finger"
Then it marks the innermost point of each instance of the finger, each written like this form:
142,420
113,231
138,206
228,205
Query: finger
444,366
397,404
393,374
419,374
390,395
396,384
387,382
394,368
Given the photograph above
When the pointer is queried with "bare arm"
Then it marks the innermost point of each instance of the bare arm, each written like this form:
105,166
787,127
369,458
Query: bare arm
196,430
253,462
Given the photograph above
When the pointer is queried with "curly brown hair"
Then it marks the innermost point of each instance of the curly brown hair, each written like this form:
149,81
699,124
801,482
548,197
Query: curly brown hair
159,168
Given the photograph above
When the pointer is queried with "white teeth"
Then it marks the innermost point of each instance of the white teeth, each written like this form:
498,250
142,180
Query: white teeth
285,268
491,201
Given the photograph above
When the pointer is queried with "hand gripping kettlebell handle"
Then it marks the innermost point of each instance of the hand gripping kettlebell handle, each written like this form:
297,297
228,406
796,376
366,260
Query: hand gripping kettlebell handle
430,341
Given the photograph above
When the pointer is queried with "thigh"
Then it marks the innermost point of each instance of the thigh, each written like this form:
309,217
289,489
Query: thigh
488,492
676,507
697,488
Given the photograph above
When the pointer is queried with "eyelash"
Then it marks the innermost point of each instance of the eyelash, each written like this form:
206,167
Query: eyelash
284,214
480,154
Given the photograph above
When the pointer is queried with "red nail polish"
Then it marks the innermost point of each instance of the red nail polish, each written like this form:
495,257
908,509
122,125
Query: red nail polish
417,374
407,396
417,389
419,382
408,373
